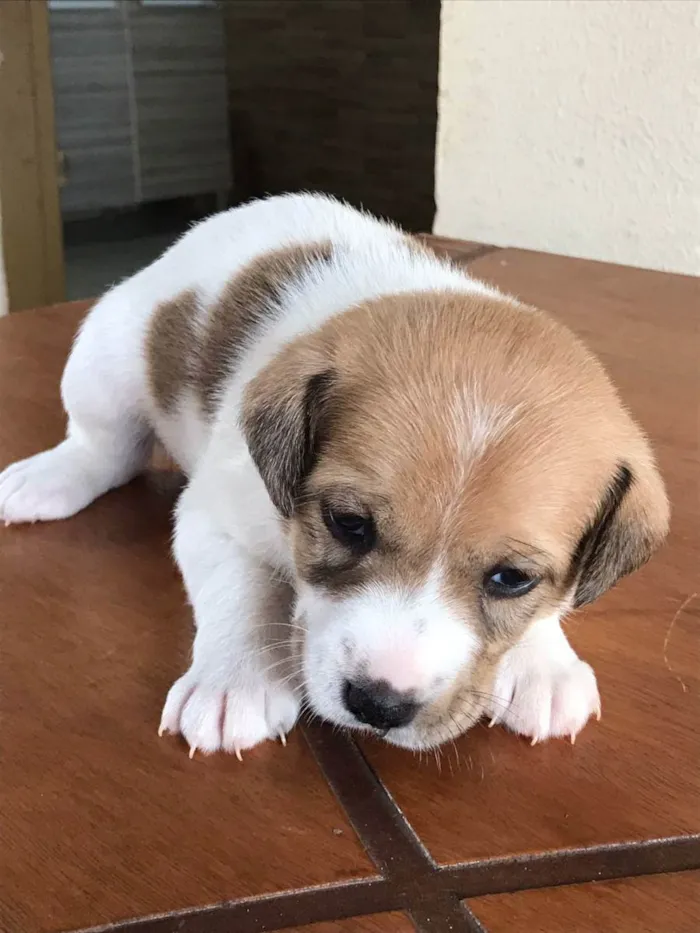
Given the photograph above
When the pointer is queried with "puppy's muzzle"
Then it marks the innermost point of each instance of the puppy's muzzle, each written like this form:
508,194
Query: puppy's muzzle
376,704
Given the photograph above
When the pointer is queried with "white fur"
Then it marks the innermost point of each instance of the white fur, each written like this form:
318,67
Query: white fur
237,691
411,640
542,687
477,424
229,545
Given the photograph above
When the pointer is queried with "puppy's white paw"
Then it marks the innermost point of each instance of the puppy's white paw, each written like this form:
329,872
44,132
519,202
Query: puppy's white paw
233,717
543,689
51,485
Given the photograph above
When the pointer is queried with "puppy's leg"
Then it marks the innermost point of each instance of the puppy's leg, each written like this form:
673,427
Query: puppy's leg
107,440
240,688
542,688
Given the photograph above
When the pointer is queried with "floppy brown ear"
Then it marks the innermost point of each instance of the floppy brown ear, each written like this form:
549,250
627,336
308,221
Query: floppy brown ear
630,524
284,411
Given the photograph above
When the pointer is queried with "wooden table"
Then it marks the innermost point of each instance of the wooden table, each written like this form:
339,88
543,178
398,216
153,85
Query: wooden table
103,825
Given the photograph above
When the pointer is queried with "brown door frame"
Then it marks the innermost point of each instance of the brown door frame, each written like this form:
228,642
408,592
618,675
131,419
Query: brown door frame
31,239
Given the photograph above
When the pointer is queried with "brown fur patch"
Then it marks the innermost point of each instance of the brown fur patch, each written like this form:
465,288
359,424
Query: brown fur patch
191,348
249,299
170,349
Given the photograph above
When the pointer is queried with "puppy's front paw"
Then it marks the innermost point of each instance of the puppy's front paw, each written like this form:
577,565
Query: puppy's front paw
212,716
542,695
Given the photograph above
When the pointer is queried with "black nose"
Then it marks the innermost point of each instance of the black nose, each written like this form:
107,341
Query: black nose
377,705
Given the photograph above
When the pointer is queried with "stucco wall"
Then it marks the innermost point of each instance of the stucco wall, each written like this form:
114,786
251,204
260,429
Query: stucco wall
572,126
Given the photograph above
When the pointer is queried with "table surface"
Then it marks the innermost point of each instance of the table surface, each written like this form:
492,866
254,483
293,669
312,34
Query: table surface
102,825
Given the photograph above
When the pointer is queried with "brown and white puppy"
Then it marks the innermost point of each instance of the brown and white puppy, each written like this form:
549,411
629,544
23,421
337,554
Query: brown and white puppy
439,472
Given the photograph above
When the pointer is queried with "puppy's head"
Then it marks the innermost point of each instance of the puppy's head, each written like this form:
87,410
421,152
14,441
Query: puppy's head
449,468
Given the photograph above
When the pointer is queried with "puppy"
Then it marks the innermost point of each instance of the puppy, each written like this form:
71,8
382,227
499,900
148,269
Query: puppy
437,471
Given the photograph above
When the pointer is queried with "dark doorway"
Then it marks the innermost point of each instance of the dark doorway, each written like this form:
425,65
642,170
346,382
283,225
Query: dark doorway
338,96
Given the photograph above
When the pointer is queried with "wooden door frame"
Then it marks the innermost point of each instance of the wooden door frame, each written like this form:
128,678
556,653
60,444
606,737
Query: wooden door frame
31,240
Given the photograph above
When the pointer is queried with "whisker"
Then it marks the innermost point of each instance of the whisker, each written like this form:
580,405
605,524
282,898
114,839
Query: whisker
295,675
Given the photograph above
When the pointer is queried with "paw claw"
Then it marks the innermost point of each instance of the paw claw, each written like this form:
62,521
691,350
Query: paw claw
550,692
283,739
212,716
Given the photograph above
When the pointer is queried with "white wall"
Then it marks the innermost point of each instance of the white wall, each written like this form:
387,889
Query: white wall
572,126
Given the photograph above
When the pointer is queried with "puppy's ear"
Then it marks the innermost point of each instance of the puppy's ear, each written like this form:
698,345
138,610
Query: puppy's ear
630,524
284,412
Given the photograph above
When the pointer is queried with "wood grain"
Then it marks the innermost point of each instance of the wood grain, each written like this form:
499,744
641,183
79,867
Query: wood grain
668,903
101,820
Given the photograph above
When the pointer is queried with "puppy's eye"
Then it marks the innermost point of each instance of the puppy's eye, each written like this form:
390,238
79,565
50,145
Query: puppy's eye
354,531
505,582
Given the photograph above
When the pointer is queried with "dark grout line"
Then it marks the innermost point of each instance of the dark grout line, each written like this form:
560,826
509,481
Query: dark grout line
433,896
477,925
573,866
461,257
445,914
384,831
484,251
386,834
270,913
434,906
